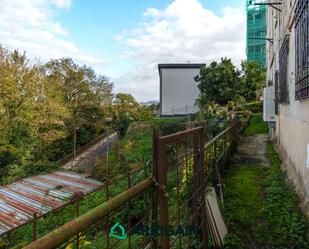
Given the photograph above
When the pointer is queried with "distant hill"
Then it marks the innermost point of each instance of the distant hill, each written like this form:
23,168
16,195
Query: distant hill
150,102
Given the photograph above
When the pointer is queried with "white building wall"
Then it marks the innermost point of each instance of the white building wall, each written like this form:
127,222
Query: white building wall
179,91
292,121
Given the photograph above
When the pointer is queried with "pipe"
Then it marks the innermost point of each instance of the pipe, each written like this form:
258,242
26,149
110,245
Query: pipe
70,229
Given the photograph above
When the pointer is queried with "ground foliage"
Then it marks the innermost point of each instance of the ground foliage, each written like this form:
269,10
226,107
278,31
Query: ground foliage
261,208
256,125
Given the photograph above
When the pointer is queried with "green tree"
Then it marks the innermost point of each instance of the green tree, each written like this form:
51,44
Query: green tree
125,103
253,80
87,96
218,82
222,82
123,122
30,110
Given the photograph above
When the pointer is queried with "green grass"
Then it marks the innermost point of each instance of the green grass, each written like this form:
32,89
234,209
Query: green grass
171,120
256,125
261,209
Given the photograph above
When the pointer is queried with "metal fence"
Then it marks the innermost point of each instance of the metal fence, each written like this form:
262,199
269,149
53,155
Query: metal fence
160,208
99,141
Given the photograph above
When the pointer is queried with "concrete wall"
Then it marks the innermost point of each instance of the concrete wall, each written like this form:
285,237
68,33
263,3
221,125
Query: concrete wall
179,91
292,121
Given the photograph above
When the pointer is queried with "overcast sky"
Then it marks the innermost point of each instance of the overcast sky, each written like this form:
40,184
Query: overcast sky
126,39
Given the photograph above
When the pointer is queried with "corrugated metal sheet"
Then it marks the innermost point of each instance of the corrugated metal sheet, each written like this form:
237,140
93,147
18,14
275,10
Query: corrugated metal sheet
40,194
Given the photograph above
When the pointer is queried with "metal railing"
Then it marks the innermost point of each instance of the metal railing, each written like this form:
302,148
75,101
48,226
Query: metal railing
86,147
160,209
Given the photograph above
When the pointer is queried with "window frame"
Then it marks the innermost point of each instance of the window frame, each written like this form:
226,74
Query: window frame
302,50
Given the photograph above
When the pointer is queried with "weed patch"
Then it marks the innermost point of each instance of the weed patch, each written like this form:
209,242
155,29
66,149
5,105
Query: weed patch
261,209
256,125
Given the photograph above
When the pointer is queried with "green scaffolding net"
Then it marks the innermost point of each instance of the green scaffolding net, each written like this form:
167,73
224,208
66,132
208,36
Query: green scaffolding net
256,32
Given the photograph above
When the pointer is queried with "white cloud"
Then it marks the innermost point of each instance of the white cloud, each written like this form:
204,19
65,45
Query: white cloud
62,3
30,25
184,31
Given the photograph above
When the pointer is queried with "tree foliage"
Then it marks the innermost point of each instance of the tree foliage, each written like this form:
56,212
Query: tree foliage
253,80
42,105
223,82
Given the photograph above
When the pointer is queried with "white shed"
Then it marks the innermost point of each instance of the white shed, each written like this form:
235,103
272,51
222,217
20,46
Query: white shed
178,89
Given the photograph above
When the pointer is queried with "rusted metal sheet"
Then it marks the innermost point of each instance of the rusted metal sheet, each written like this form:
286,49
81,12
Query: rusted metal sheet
39,195
81,223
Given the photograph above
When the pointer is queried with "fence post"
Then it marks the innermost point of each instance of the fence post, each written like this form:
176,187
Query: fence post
154,214
77,215
203,190
161,167
195,178
129,203
34,227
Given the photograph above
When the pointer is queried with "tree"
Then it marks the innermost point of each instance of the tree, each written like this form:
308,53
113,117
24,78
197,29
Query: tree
87,96
31,112
83,91
218,82
222,82
253,80
123,123
125,103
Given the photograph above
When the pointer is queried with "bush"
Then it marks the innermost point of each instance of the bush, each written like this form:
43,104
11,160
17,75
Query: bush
123,124
255,107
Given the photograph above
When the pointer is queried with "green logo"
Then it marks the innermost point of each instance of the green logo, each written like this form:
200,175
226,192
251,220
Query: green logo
115,229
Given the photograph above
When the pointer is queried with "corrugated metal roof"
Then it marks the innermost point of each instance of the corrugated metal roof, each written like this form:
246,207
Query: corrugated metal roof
40,194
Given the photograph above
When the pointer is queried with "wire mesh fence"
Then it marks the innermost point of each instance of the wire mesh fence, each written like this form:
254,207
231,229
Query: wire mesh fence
159,205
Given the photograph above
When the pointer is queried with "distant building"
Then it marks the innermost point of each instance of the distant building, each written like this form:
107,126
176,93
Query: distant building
288,79
256,32
178,89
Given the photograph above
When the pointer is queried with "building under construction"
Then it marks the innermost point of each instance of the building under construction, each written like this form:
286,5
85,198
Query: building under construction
256,31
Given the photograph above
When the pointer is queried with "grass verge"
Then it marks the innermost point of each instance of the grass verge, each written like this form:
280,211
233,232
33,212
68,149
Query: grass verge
261,208
256,125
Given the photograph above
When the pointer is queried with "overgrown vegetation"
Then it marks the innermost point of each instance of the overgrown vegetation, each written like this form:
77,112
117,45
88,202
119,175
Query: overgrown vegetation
42,106
261,207
256,125
129,153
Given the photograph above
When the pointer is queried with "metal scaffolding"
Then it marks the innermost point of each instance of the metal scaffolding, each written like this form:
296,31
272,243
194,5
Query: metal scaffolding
256,32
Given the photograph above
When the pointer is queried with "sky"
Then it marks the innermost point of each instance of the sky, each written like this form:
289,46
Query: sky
125,40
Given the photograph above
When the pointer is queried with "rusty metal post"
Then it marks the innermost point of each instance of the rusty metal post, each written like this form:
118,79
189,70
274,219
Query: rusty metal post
129,203
146,194
203,191
155,199
34,227
77,215
178,195
107,197
195,177
107,216
215,168
161,167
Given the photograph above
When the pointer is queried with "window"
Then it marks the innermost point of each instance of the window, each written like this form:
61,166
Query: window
283,64
302,49
276,92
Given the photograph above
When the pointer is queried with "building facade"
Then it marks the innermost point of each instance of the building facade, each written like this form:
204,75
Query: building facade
178,89
288,73
256,32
